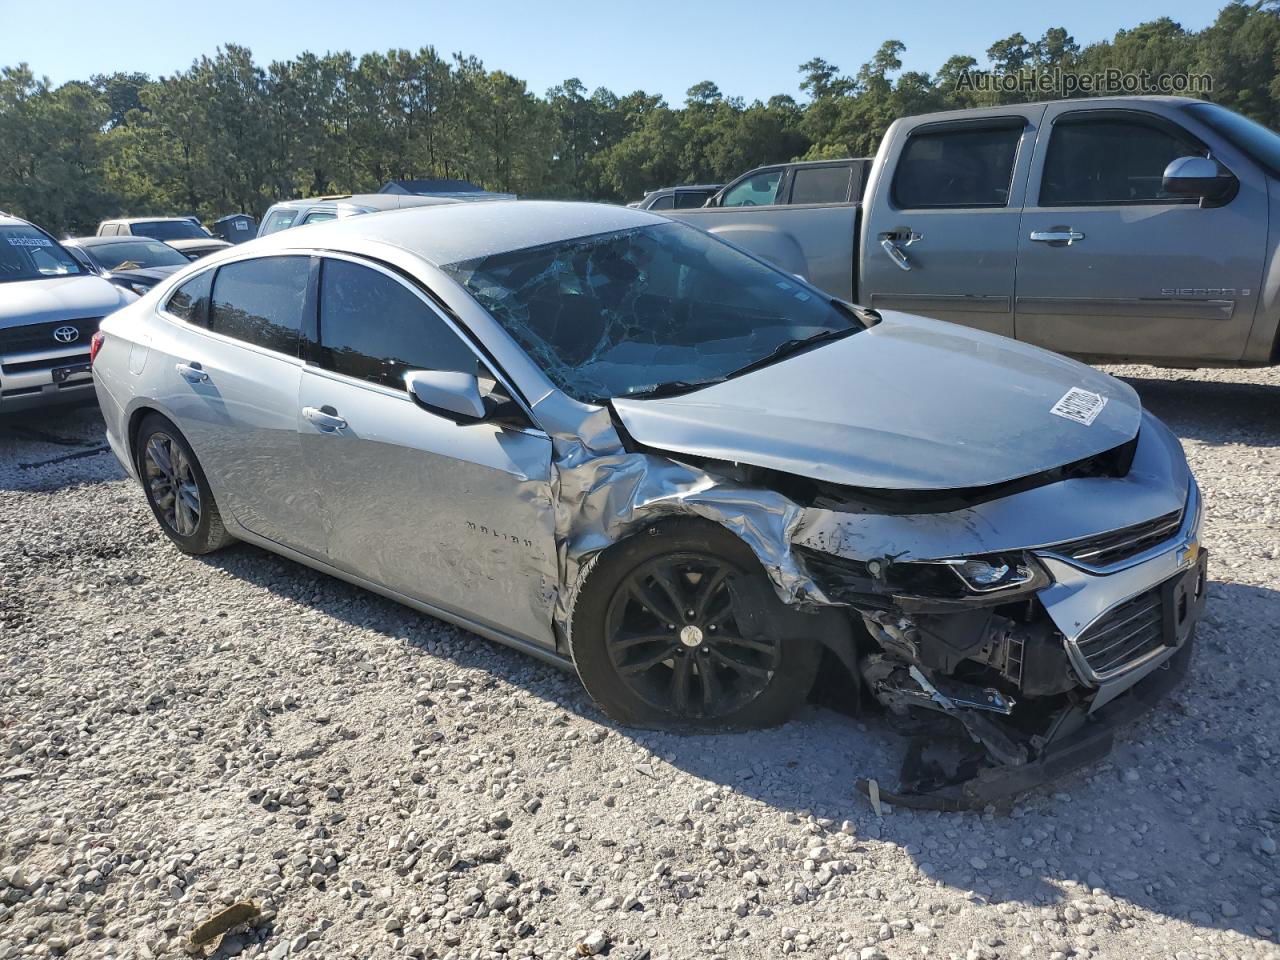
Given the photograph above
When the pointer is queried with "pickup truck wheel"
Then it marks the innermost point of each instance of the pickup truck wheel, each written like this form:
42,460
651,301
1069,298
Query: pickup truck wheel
176,488
658,639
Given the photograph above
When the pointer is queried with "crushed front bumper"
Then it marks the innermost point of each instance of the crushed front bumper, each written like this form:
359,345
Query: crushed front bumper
965,777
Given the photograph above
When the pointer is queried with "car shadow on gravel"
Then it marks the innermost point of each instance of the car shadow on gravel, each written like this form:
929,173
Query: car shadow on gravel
1170,822
1214,411
44,450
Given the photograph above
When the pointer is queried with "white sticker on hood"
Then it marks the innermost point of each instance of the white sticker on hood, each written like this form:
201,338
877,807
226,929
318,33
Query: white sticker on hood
1082,406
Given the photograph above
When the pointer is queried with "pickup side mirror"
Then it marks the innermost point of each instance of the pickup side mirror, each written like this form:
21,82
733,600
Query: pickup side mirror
1198,177
446,393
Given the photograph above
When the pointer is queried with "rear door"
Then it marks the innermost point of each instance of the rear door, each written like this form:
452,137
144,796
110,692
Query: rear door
231,380
456,516
940,229
1110,266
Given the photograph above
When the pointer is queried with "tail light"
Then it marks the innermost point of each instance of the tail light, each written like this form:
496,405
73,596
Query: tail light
95,344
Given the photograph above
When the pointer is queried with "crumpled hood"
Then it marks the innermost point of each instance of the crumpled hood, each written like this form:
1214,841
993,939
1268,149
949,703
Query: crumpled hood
909,404
58,298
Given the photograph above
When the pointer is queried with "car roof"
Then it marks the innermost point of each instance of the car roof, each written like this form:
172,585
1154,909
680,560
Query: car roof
374,201
452,232
9,220
148,220
107,241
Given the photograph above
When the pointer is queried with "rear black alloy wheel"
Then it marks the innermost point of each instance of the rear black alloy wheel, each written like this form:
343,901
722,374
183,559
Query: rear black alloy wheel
171,484
672,629
671,636
176,487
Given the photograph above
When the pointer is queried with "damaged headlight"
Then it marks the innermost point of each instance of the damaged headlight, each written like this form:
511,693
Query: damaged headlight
996,573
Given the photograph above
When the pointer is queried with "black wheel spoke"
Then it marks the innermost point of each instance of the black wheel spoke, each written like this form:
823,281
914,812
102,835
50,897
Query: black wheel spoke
709,589
674,595
680,678
759,646
649,662
654,605
639,639
760,673
711,690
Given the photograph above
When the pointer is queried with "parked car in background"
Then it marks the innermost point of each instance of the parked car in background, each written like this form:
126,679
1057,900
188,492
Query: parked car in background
50,307
235,228
633,450
298,213
135,263
780,184
676,198
184,234
1110,229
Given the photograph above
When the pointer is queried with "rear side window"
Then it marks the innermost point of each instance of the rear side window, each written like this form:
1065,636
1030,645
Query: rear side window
820,185
665,202
262,302
374,328
957,167
686,199
1101,160
320,216
190,302
277,220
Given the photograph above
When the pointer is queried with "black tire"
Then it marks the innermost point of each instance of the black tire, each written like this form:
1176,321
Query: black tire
193,523
614,633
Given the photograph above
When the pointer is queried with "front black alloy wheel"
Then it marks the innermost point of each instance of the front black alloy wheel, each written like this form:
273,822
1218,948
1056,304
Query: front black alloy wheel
659,640
672,637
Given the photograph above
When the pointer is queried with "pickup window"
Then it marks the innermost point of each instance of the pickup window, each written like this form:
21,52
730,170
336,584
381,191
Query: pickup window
759,190
1095,159
666,202
820,184
957,166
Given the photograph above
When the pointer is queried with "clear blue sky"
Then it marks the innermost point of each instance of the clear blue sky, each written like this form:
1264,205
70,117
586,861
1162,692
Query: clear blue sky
749,48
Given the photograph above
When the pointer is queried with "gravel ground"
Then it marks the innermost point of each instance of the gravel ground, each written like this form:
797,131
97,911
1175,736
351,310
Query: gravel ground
179,734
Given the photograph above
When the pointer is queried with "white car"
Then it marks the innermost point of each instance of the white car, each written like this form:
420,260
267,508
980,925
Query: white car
50,307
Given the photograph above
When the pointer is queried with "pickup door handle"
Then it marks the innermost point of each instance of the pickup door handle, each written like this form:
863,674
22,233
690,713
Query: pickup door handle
896,255
329,422
1056,236
192,373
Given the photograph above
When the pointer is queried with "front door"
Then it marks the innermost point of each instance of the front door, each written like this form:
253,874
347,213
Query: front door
457,516
940,237
1110,266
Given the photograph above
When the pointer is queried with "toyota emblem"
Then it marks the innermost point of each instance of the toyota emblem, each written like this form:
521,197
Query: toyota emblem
66,334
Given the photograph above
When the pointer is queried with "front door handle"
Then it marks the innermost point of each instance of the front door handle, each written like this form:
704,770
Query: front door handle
1056,236
896,255
192,372
329,422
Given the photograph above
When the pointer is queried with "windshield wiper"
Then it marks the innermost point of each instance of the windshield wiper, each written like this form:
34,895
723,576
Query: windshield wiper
791,347
672,388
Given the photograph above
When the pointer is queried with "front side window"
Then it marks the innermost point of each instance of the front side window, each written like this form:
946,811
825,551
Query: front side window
820,185
374,328
169,230
190,302
28,254
638,310
1110,160
758,190
136,254
956,167
262,302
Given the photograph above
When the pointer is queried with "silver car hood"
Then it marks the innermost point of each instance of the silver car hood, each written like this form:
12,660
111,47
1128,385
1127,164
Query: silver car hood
58,298
909,404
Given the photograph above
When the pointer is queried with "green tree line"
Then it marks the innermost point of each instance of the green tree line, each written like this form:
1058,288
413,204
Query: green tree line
229,134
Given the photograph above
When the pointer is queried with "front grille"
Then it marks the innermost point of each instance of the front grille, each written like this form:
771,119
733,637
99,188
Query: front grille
1124,634
46,364
1106,549
39,336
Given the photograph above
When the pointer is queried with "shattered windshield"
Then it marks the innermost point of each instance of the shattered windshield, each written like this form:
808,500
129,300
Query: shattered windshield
629,312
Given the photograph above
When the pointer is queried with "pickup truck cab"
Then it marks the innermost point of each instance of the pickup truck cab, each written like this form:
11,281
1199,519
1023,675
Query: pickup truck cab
810,181
1121,228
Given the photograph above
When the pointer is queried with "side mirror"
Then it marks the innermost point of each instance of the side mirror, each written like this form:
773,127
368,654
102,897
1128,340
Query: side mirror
446,393
1198,177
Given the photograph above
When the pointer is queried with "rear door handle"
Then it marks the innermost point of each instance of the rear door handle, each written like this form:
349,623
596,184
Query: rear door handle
1056,236
329,422
192,372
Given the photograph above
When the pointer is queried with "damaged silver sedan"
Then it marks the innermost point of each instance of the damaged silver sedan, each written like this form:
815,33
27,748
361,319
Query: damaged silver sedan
627,447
